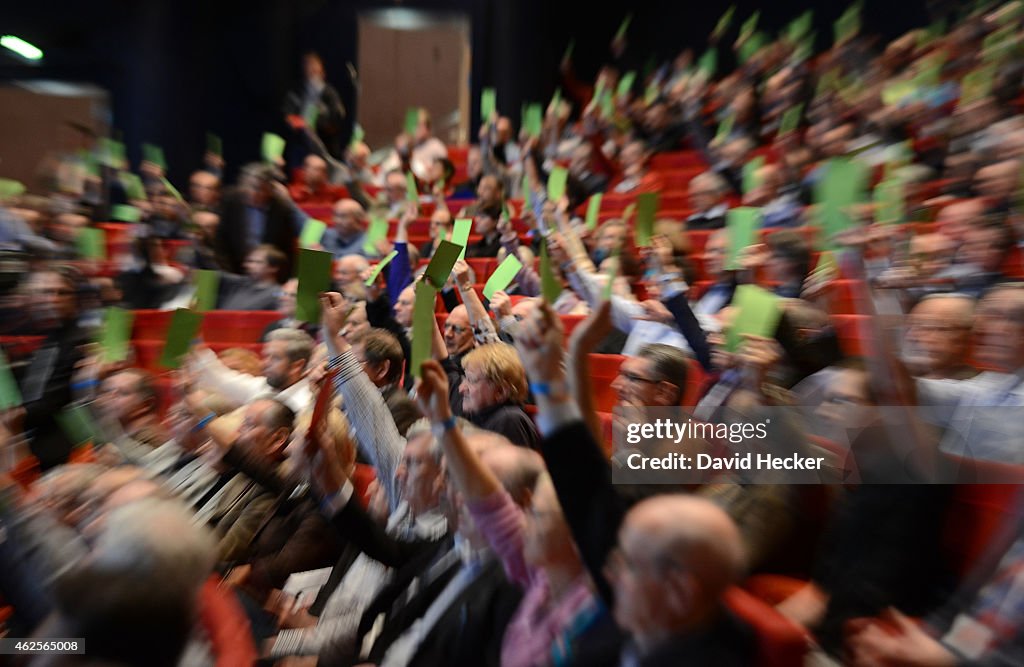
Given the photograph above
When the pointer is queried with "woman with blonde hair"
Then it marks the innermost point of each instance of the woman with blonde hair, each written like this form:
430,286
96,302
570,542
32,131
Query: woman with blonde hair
493,392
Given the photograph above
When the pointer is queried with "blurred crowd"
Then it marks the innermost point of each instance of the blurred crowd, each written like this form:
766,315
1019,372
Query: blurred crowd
295,492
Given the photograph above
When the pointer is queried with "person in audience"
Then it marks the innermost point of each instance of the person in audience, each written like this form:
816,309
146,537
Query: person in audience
242,360
260,289
286,308
493,391
286,355
985,250
939,337
485,223
707,198
129,400
357,325
204,191
418,152
582,172
440,230
315,109
382,358
315,189
778,209
347,236
490,197
256,212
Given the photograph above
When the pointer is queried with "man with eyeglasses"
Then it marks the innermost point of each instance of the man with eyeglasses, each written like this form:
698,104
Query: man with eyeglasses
939,337
348,234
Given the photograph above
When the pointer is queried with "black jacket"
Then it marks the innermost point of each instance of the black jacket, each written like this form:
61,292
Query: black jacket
232,237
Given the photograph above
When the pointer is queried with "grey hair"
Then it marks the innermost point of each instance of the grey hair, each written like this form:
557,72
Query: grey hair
423,425
299,346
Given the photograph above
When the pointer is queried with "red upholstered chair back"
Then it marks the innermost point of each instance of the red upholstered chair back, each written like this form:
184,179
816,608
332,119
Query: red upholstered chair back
780,642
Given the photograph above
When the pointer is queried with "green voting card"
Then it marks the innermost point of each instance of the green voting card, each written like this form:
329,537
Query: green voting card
214,144
800,26
441,263
593,210
411,192
646,209
172,190
460,234
790,119
556,184
412,120
314,278
10,188
550,288
377,232
132,185
503,276
624,26
380,267
533,120
749,26
488,104
182,331
708,63
312,233
757,314
848,24
626,84
154,154
423,324
889,202
750,177
10,395
272,147
842,185
723,23
527,195
742,224
613,273
125,213
569,49
725,128
207,283
116,334
111,153
78,425
92,243
749,48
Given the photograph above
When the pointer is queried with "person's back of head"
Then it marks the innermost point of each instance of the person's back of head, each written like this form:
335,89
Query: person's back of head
135,598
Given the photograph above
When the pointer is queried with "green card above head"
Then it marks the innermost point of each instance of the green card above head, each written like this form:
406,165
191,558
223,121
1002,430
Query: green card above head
757,314
613,272
412,120
460,234
651,93
207,284
10,395
314,271
112,153
272,147
594,210
751,46
488,104
440,266
550,287
827,265
172,190
154,154
92,243
132,185
646,209
557,179
527,195
125,213
741,224
977,85
723,23
380,267
375,233
791,119
725,128
708,63
626,84
889,202
423,324
749,26
116,335
848,25
312,233
800,26
569,48
10,188
843,183
533,120
78,425
182,331
503,276
750,176
624,26
214,144
411,192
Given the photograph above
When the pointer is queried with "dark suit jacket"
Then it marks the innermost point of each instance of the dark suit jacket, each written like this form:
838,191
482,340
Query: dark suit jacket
232,238
47,440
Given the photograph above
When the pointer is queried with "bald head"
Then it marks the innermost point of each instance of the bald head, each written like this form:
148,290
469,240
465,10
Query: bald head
458,334
998,181
956,218
349,217
350,269
314,171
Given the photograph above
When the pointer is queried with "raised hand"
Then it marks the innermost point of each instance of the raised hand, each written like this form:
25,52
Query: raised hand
501,304
335,310
540,344
432,392
655,311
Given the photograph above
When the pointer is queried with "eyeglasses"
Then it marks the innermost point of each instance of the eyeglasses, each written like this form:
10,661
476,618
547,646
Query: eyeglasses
52,292
619,562
637,379
455,328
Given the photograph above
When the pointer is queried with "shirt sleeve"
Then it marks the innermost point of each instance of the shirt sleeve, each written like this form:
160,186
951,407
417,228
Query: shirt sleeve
503,525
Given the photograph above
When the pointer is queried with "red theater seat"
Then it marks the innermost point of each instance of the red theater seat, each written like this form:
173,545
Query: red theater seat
780,642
